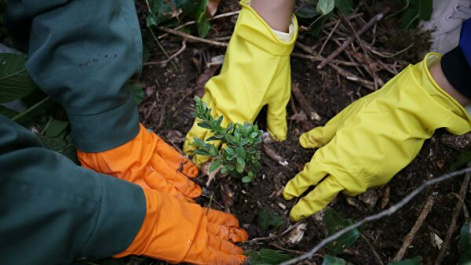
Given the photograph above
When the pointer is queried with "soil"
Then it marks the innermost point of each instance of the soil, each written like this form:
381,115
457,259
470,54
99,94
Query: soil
167,110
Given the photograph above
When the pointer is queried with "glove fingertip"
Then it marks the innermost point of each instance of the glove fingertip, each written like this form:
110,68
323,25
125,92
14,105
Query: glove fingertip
306,141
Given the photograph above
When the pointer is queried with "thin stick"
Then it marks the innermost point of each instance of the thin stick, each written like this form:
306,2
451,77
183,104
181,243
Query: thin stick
296,252
378,258
303,102
368,68
162,48
170,57
454,219
191,37
349,40
368,84
377,216
329,36
318,58
410,236
194,21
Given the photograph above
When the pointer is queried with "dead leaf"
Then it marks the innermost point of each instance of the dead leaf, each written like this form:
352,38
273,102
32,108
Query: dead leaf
212,7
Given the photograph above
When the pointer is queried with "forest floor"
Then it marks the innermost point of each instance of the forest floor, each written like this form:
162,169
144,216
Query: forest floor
386,50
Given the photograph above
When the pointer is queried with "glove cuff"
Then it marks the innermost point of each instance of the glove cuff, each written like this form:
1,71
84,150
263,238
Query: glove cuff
452,115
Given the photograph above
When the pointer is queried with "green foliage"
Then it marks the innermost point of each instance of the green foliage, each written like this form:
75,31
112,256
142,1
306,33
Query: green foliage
462,160
335,223
465,237
414,261
268,217
138,93
331,260
414,11
241,157
173,11
317,12
266,257
14,80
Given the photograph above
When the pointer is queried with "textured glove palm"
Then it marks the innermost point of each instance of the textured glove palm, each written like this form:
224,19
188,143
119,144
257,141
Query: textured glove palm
367,143
149,162
177,231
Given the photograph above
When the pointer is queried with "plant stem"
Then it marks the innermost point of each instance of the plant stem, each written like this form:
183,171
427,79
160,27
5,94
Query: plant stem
35,106
163,49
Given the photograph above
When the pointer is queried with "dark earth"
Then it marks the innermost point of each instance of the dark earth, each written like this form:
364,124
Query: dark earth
167,108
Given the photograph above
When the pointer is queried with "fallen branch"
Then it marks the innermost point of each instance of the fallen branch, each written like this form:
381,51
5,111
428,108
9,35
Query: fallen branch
349,40
194,22
298,95
191,37
454,219
377,216
410,236
170,57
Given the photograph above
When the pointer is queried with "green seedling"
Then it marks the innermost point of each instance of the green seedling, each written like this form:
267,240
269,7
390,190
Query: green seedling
241,156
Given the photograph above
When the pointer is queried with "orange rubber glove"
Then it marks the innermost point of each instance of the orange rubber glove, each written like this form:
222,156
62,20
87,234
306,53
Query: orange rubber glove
176,231
149,162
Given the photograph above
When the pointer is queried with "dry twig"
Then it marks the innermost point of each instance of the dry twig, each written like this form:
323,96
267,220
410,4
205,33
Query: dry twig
410,236
454,219
191,37
170,57
349,40
377,216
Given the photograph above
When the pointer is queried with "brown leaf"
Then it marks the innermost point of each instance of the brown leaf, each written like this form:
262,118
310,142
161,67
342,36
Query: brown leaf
212,7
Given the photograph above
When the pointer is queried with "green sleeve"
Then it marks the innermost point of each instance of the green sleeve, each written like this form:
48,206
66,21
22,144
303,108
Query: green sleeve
53,211
82,53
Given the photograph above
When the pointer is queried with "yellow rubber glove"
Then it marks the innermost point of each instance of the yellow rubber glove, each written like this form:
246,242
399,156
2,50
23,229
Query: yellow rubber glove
371,140
256,72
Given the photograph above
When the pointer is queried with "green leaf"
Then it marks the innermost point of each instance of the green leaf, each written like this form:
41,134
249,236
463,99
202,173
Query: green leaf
239,168
203,25
414,261
268,217
55,127
229,151
325,6
240,161
215,165
202,152
462,160
224,170
151,20
267,257
414,11
246,179
205,125
345,6
138,93
335,223
306,10
331,260
14,80
465,237
7,112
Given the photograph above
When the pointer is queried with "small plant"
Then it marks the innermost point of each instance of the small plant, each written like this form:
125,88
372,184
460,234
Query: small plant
241,156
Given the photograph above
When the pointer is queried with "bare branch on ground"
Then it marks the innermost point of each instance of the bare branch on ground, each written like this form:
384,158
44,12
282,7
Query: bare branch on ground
377,216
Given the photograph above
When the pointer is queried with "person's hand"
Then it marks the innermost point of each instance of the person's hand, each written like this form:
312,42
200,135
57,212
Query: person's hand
371,140
256,72
147,161
176,231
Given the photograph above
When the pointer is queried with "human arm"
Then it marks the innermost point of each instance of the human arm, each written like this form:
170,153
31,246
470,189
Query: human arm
84,61
58,212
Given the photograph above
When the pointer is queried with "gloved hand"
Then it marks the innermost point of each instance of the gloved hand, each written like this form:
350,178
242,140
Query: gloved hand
176,231
149,162
256,72
371,140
